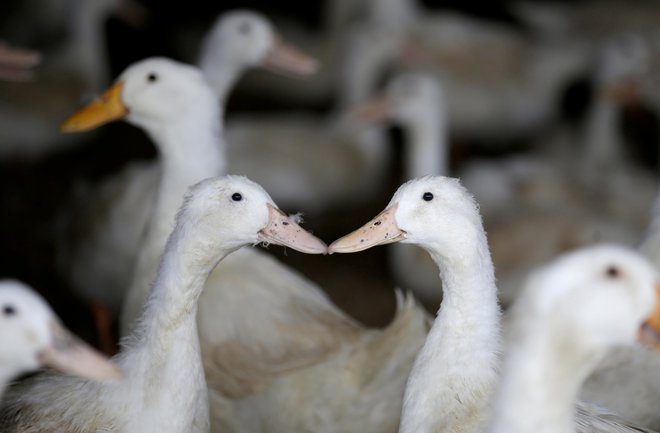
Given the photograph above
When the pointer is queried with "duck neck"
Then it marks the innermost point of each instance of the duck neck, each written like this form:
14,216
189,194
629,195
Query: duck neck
541,378
189,153
426,148
165,343
220,71
455,371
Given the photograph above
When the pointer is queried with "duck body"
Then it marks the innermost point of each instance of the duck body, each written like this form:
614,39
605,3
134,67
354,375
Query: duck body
313,163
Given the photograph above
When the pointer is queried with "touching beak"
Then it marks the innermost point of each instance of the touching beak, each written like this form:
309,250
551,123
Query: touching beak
281,230
286,58
379,231
649,333
378,109
70,354
106,108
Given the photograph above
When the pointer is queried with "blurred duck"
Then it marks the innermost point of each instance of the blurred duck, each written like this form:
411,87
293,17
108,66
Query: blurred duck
500,85
32,336
161,359
311,161
107,221
575,183
452,382
296,339
562,306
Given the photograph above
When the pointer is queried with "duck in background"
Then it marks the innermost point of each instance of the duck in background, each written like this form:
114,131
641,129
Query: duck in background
165,389
102,225
575,182
32,336
311,161
452,383
562,306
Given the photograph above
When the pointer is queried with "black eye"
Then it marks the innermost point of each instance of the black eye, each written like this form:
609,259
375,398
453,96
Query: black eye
244,28
427,196
152,77
8,310
237,196
613,272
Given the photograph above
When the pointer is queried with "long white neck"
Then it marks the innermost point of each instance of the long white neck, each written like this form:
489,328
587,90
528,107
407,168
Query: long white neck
540,384
220,71
426,149
454,374
190,152
162,357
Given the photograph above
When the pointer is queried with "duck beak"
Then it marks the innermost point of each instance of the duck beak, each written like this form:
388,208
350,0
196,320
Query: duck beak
282,230
70,354
649,333
379,231
16,63
106,108
286,58
378,109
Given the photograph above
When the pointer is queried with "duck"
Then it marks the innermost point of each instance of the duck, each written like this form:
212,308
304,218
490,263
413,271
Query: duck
562,306
415,101
33,337
219,215
297,339
452,383
319,162
108,218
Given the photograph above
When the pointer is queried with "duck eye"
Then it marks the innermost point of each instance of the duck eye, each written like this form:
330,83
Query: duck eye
244,28
8,310
613,272
152,77
237,196
427,196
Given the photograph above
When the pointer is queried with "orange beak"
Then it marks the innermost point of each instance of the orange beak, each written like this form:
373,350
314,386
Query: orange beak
105,109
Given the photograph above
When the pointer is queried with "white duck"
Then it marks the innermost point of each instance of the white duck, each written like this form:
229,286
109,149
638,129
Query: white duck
109,220
32,336
165,388
560,334
451,385
311,161
416,102
296,339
